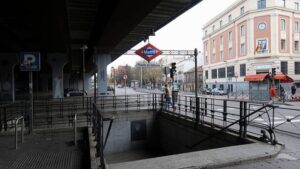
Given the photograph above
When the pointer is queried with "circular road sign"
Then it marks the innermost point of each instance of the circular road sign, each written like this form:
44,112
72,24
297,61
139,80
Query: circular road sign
125,77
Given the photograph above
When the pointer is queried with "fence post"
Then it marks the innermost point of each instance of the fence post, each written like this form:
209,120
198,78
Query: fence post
161,102
205,106
245,120
197,112
224,113
240,120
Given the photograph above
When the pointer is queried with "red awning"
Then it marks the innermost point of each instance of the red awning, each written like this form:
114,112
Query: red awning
256,78
283,78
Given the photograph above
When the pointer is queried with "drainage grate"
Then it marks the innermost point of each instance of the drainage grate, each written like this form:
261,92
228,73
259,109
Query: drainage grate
48,160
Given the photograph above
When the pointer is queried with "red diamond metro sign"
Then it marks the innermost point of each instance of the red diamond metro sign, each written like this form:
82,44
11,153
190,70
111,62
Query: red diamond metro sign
148,52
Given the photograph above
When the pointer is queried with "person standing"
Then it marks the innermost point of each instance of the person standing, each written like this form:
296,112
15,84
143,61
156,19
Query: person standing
282,93
272,92
167,95
293,90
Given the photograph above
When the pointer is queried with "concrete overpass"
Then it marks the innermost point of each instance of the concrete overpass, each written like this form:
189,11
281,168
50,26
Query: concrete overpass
59,28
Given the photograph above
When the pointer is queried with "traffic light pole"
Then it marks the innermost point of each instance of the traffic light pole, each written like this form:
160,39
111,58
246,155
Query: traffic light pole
196,90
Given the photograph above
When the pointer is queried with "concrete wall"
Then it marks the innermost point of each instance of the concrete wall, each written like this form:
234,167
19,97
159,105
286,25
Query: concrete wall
164,132
176,134
119,139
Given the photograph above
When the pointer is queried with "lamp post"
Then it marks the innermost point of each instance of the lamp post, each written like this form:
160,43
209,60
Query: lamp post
196,91
83,48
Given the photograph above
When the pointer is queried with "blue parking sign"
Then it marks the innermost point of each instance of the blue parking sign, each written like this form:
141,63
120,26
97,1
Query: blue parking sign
30,61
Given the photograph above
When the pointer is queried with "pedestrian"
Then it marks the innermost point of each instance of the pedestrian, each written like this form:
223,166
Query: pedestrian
293,90
282,93
167,95
272,93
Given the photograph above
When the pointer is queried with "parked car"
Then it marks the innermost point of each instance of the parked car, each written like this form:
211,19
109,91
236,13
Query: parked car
207,91
109,88
216,91
73,92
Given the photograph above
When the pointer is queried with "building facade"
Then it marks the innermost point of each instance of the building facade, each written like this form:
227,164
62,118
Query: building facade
251,37
189,80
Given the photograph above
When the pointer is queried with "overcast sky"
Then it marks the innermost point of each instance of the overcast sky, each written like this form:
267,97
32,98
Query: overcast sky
183,33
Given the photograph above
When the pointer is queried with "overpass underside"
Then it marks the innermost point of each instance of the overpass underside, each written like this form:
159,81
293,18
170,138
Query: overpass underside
75,38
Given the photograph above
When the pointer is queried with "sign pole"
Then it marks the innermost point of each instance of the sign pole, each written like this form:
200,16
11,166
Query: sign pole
125,87
166,74
31,102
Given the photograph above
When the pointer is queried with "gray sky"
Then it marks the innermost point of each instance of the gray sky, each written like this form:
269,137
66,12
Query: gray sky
183,33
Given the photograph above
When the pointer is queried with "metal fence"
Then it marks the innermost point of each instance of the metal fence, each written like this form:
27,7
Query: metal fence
254,119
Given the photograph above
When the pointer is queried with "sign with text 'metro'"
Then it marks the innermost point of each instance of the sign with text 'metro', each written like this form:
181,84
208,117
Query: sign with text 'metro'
30,61
148,52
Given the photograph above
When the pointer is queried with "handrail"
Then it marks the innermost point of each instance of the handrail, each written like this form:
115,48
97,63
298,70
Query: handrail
225,128
75,129
16,130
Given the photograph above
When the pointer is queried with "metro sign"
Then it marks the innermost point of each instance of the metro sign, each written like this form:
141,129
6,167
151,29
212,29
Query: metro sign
148,52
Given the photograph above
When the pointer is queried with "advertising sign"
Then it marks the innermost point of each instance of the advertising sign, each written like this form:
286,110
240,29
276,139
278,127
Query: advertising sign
30,61
148,52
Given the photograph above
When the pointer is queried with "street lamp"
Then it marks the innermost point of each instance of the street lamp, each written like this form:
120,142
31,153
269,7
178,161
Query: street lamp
83,48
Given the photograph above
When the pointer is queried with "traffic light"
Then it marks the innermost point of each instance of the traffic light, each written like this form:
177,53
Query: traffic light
171,73
273,71
173,67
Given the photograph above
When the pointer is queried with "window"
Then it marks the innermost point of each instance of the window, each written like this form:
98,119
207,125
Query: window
284,67
221,72
261,4
296,27
242,10
221,87
229,18
214,74
243,70
214,43
221,23
243,50
230,53
297,68
221,40
296,6
206,74
213,28
282,44
221,55
243,31
206,59
282,24
230,71
230,36
205,32
296,45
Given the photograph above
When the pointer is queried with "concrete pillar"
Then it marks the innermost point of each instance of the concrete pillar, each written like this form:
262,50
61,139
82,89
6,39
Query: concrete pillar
57,62
102,60
7,64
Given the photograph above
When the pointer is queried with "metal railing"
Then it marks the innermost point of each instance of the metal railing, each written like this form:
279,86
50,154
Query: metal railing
220,113
16,131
